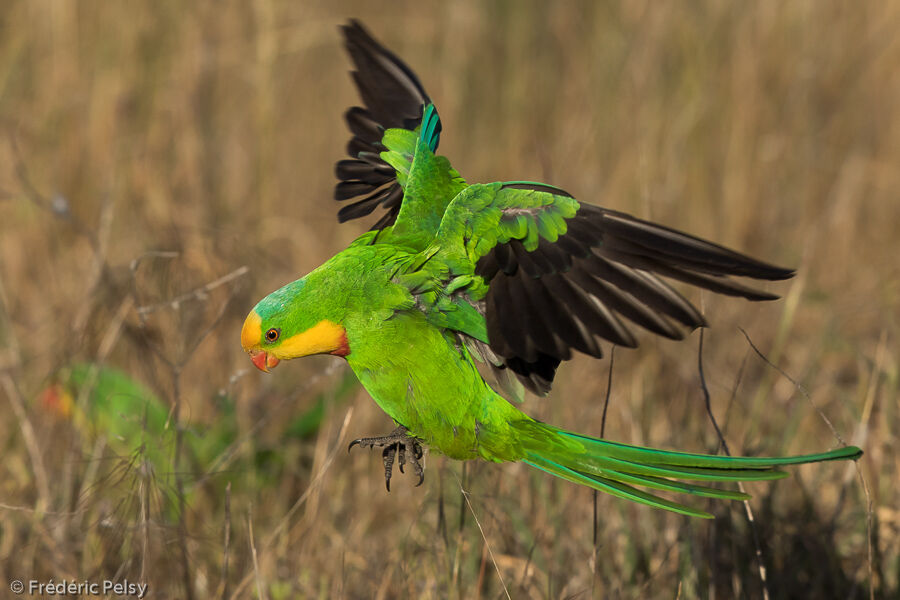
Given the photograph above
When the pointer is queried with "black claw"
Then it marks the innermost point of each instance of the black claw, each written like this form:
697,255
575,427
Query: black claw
387,457
396,445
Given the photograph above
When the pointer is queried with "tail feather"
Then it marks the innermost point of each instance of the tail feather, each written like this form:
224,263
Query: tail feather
617,468
678,471
613,487
431,127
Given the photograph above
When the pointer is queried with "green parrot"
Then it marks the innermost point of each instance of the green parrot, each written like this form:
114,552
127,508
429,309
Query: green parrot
516,275
132,419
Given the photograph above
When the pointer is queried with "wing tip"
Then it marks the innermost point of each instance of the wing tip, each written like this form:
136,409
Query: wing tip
392,96
353,27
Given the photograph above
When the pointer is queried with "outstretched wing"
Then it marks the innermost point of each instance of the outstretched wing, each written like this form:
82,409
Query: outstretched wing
561,275
392,98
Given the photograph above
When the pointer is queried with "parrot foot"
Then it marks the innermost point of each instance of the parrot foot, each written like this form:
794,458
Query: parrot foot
397,444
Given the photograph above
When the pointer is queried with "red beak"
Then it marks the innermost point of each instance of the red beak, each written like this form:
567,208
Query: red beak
262,360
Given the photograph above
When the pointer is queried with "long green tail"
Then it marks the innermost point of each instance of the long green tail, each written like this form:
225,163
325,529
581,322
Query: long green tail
616,468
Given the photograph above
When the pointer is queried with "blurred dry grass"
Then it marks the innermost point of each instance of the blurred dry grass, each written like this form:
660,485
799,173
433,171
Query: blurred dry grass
209,129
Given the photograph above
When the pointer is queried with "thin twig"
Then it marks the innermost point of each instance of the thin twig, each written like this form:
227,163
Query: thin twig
706,397
31,509
300,501
462,512
59,207
834,432
441,513
34,450
482,569
737,383
595,493
747,509
110,336
179,483
18,406
99,268
465,495
70,483
224,459
176,367
315,483
12,356
612,358
198,339
870,513
136,262
144,491
227,541
799,387
201,293
257,576
457,553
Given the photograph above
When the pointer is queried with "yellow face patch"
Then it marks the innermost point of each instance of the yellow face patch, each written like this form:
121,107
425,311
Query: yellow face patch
323,338
251,332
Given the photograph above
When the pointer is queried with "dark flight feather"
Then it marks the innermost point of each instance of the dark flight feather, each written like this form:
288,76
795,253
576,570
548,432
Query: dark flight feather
393,97
569,294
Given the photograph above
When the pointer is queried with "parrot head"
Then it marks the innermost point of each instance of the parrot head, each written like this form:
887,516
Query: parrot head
57,401
288,323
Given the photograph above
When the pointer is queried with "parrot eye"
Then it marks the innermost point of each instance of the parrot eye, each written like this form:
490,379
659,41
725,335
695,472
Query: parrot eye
272,334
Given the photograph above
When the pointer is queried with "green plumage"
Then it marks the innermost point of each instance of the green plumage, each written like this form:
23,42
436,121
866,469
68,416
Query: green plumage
518,275
132,419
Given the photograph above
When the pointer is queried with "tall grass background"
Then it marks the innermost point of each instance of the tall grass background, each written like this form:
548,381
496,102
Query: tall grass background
160,150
